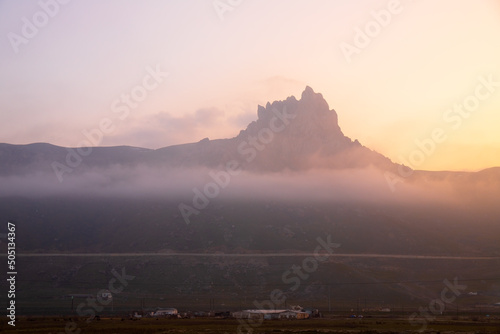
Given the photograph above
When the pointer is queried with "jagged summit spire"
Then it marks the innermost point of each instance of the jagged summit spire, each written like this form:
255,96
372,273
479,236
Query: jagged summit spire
306,125
308,92
298,134
310,102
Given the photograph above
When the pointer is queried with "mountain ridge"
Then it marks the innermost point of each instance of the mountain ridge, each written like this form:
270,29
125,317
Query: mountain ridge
288,134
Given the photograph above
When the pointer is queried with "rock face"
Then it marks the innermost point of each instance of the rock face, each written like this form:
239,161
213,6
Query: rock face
293,131
302,134
287,135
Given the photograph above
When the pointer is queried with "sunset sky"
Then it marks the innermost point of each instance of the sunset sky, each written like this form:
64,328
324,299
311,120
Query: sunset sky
390,90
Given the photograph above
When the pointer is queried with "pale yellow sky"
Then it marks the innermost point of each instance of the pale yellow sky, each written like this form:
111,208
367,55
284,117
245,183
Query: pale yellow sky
421,60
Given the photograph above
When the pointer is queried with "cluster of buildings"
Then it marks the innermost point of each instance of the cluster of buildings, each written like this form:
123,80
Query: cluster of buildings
271,314
295,312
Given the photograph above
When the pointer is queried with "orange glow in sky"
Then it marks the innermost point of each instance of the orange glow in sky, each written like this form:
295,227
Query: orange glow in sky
395,71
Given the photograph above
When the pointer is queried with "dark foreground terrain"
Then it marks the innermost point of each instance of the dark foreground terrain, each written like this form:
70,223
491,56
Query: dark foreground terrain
46,325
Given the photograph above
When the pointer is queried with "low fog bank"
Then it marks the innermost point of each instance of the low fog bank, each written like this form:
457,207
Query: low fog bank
123,209
368,184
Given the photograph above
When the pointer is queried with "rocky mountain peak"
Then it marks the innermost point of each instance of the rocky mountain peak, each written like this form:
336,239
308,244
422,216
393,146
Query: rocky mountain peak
288,134
299,134
309,118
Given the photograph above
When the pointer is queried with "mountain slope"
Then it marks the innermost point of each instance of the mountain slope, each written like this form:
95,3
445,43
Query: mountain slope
291,134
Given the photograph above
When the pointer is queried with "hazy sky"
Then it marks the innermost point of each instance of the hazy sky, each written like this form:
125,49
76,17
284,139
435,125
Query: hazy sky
71,71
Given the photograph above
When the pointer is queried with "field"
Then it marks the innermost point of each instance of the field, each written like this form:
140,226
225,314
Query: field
230,284
53,325
339,287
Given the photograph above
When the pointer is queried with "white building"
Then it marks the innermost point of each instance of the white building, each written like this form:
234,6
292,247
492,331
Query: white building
164,312
271,314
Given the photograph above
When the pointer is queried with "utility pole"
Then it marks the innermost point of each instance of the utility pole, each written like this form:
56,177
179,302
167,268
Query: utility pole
329,300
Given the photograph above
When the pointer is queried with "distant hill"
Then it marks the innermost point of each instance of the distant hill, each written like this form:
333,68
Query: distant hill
291,134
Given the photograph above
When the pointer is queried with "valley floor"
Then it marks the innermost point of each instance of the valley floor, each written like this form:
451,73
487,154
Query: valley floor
53,325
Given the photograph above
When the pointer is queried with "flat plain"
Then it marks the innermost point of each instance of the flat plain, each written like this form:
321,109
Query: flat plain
445,324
